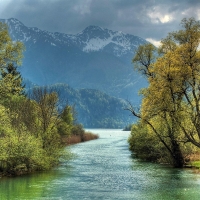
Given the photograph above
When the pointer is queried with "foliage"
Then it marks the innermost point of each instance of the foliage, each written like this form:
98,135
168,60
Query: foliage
10,55
25,144
78,131
170,106
10,52
66,124
145,145
21,153
30,129
128,127
142,141
12,82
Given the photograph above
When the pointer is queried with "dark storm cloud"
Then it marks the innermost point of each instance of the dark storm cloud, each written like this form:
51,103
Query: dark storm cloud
145,18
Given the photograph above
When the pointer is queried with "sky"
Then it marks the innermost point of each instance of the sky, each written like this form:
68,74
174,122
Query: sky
149,19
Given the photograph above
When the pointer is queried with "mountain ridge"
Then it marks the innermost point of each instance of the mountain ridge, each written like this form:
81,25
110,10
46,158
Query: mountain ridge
93,108
97,39
96,58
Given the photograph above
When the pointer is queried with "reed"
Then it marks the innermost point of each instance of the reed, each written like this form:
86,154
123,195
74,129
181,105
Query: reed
90,136
74,139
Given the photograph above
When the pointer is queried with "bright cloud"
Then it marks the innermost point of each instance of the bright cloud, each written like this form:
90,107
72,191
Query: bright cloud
158,15
4,4
154,42
144,18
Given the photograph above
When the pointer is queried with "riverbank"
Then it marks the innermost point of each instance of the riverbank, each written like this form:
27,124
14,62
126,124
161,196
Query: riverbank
193,161
104,165
78,138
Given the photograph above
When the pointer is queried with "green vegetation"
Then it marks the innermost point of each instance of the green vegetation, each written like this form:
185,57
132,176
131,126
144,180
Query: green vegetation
128,127
79,135
169,126
31,128
195,164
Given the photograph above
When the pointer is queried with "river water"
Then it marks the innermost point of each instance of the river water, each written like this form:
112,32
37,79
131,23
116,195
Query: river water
104,169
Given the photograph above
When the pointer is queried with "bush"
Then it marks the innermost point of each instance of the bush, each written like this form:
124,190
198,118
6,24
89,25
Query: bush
128,127
21,153
89,136
78,135
145,145
78,130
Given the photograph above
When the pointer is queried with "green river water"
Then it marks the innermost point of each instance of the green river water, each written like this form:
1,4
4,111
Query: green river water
104,169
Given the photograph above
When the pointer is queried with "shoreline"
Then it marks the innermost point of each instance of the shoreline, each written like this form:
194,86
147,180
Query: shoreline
66,141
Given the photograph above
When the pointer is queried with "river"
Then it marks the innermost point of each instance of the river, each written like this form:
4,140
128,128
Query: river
104,169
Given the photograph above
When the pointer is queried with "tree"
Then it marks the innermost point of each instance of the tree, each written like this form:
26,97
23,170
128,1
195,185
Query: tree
189,56
170,106
65,123
10,51
46,107
29,138
10,56
142,141
12,78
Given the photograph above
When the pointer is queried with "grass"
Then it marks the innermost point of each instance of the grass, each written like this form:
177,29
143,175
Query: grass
195,164
194,160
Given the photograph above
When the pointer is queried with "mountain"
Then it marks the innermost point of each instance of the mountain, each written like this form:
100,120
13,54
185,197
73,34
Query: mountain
96,58
95,109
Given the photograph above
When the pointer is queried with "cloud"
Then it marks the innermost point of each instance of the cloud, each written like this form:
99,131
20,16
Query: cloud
156,43
158,15
83,7
144,18
4,6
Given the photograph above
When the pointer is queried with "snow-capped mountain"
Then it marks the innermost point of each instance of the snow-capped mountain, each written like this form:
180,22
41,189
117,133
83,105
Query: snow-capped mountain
91,39
95,38
94,58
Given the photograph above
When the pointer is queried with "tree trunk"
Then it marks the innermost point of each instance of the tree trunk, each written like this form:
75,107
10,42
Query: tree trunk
177,156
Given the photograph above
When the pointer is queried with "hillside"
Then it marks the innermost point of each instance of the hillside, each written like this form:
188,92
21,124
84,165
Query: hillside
94,108
96,58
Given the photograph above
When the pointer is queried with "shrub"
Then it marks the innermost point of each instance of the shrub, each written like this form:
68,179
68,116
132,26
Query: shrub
145,145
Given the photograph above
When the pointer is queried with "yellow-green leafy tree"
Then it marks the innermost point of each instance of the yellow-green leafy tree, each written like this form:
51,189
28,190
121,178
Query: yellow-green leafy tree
170,106
10,52
29,138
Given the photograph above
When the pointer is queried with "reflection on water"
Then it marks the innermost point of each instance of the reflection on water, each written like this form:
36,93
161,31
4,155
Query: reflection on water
104,169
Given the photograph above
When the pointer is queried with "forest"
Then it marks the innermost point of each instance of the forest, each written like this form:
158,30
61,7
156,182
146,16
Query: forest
34,129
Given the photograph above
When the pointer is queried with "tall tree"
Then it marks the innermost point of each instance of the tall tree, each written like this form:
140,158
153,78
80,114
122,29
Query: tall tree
12,81
47,101
173,95
10,55
10,51
188,53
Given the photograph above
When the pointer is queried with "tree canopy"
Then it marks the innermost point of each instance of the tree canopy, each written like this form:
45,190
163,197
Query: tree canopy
30,129
11,52
171,103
